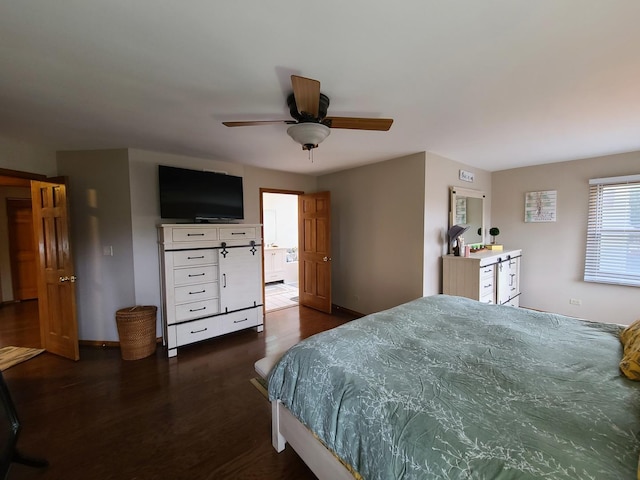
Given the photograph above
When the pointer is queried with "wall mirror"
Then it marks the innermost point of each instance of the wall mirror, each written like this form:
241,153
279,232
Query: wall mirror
467,208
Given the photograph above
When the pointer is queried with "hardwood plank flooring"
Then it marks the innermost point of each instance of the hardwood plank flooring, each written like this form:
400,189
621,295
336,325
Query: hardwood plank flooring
192,417
19,324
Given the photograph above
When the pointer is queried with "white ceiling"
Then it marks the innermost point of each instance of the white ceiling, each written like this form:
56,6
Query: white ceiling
491,83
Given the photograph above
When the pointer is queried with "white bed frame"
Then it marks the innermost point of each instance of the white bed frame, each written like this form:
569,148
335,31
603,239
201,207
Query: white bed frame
286,428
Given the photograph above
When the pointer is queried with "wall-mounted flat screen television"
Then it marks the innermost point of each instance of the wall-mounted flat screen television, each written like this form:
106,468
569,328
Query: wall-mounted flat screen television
199,195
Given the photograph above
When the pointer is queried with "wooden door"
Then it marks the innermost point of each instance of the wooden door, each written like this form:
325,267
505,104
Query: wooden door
56,279
22,249
314,250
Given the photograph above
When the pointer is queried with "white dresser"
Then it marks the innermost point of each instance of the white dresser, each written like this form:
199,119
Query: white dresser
488,276
211,281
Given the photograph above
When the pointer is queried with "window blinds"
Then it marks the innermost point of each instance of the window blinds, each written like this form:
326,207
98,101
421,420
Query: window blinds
613,233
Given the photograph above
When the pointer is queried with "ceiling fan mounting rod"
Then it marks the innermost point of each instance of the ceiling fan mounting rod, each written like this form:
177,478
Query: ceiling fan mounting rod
304,116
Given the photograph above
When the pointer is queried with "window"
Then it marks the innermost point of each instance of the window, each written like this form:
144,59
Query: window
613,233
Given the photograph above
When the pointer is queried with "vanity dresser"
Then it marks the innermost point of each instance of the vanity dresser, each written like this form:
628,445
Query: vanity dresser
488,276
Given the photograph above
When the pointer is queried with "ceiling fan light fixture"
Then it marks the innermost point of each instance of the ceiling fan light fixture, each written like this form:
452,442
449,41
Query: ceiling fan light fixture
308,134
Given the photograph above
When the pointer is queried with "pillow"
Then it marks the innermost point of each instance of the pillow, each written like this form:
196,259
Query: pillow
630,363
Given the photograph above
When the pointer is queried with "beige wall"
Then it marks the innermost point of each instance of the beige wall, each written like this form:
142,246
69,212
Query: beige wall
23,157
27,157
377,224
389,224
145,207
100,219
442,173
553,253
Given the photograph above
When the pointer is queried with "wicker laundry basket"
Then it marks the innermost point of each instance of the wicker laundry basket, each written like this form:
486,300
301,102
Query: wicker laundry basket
137,331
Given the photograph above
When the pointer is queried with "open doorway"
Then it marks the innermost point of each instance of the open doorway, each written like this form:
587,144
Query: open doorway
19,317
279,211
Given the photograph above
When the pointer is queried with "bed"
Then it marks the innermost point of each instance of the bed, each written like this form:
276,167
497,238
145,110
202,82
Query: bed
447,387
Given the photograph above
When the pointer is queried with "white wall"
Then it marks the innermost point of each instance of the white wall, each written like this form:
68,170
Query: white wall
553,253
284,208
100,218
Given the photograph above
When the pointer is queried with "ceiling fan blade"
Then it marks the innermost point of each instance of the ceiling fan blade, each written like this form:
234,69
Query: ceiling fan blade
255,123
354,123
307,94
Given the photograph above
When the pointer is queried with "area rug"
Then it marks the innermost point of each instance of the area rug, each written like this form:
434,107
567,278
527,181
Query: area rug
10,356
261,385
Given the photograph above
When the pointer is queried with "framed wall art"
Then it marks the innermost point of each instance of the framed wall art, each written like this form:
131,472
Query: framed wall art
540,206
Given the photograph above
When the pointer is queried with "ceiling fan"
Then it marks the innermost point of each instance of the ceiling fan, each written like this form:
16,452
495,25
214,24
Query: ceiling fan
311,125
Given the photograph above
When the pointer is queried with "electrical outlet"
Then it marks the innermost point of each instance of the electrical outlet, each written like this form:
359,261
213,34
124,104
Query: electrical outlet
575,301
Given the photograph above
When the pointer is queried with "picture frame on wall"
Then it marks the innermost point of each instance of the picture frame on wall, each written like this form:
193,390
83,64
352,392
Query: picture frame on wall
540,206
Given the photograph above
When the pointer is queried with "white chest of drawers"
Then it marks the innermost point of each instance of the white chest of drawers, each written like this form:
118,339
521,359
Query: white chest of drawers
488,276
211,281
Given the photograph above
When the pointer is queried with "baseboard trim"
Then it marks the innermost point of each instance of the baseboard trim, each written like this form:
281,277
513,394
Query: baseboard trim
105,343
347,311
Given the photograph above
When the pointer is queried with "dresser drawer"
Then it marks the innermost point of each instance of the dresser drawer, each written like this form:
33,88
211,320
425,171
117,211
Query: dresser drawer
487,287
193,293
188,311
239,320
194,234
186,258
488,298
198,330
201,274
238,233
487,272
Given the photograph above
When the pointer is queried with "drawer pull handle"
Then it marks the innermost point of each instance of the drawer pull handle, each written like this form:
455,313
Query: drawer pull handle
489,285
196,275
240,321
224,280
195,258
199,331
238,233
195,234
195,293
487,270
197,309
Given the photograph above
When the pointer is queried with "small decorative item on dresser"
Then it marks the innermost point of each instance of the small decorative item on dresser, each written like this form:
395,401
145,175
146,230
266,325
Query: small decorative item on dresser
494,232
454,235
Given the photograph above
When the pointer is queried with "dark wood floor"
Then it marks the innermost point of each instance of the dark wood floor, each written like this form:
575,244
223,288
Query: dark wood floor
196,416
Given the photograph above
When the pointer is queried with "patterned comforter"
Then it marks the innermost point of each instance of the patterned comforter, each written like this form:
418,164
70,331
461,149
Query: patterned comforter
446,387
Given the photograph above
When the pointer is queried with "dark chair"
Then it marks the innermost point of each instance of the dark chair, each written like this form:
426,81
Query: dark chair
9,431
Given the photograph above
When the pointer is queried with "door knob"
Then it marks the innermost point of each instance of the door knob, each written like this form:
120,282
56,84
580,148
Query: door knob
326,259
63,279
73,279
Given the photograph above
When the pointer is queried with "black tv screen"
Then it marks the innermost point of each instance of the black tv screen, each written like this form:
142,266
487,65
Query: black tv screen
199,195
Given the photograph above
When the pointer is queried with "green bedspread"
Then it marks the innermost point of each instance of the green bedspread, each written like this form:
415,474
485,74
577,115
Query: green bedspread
446,387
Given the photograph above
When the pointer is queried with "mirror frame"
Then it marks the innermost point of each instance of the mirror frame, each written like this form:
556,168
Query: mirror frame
461,192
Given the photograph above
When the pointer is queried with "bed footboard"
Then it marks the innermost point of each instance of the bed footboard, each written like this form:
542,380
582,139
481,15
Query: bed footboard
287,428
